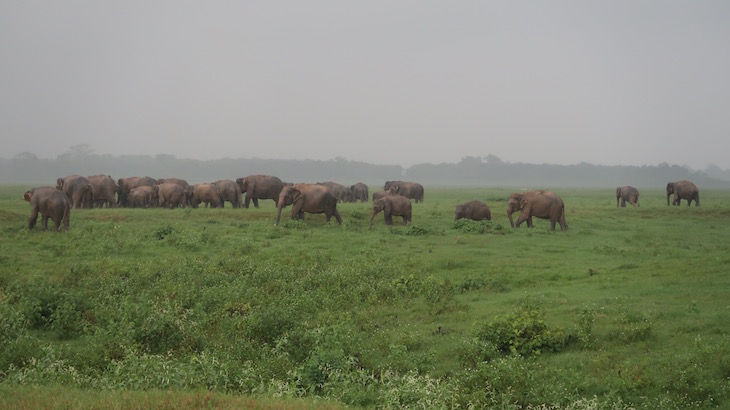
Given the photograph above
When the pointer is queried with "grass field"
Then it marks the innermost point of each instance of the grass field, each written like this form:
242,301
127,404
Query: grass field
628,308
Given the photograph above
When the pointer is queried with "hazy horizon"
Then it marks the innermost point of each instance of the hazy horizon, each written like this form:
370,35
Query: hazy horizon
396,83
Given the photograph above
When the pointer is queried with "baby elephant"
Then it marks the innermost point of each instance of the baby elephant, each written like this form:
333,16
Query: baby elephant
390,205
475,210
51,203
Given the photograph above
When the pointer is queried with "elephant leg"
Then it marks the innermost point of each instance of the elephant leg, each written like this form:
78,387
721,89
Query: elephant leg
255,202
524,216
337,217
44,222
296,211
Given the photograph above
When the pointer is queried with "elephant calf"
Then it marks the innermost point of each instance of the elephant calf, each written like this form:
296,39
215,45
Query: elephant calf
474,210
390,205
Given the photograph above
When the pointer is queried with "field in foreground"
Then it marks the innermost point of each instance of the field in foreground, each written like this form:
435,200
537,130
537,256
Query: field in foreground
628,308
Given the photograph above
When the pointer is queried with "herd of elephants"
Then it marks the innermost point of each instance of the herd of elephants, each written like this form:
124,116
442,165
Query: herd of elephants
76,191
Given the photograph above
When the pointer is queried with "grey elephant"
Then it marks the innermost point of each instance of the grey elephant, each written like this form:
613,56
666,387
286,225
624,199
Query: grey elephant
78,190
412,190
260,187
229,191
310,198
540,204
474,210
173,195
627,194
50,203
104,188
359,192
125,185
143,197
187,188
206,193
392,205
683,190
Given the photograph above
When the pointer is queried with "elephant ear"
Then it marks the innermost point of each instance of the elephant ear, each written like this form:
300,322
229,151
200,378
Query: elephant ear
523,202
296,195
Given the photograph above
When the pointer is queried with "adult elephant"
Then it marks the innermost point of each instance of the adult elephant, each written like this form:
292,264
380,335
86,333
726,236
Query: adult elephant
359,192
260,187
50,203
412,190
173,195
627,194
105,189
474,210
187,188
78,190
127,184
683,190
391,205
143,197
540,204
228,191
310,198
207,193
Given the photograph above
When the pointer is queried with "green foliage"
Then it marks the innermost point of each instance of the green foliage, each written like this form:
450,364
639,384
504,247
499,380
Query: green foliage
481,227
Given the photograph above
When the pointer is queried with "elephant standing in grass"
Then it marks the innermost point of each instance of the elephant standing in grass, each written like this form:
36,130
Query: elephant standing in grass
207,193
104,188
143,197
391,205
541,204
627,194
474,210
683,190
51,203
172,195
78,190
260,187
228,191
359,192
412,190
127,184
310,198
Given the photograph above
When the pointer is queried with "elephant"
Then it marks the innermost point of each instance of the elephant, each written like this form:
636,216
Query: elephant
627,194
683,190
229,191
127,184
188,189
260,187
104,188
78,190
541,204
51,203
143,197
381,194
207,193
172,195
474,210
341,192
390,205
360,192
310,198
410,190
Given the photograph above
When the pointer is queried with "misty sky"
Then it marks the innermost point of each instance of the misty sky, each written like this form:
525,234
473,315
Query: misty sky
622,82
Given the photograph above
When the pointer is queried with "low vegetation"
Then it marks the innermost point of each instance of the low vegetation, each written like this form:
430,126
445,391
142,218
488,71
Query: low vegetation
219,308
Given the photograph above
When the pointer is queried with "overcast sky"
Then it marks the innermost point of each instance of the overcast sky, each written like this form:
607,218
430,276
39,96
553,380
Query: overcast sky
614,82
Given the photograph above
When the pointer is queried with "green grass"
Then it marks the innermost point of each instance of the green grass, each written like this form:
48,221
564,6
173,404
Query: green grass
628,308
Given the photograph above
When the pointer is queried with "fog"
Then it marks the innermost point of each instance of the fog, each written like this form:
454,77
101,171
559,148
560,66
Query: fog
384,82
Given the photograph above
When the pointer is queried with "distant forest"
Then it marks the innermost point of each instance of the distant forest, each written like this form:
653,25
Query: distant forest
28,169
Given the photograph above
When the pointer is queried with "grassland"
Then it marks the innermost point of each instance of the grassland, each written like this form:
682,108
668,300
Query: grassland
628,308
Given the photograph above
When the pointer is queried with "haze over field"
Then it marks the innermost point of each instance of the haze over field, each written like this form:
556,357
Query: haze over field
401,83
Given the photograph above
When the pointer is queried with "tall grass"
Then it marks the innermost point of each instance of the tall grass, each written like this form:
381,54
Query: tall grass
628,308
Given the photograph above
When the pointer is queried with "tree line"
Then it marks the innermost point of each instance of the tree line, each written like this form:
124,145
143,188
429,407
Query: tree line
27,168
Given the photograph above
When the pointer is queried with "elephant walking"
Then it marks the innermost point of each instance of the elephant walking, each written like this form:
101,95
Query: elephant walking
474,210
391,205
260,187
78,190
104,188
683,190
310,198
228,191
627,194
51,203
541,204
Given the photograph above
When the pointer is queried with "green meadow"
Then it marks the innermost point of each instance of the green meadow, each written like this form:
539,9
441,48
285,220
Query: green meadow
629,308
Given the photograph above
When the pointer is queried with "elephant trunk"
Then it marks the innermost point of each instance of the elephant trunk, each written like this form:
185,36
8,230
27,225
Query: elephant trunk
278,213
372,217
509,215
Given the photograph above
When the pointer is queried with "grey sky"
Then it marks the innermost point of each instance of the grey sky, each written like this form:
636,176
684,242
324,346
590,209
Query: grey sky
386,82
